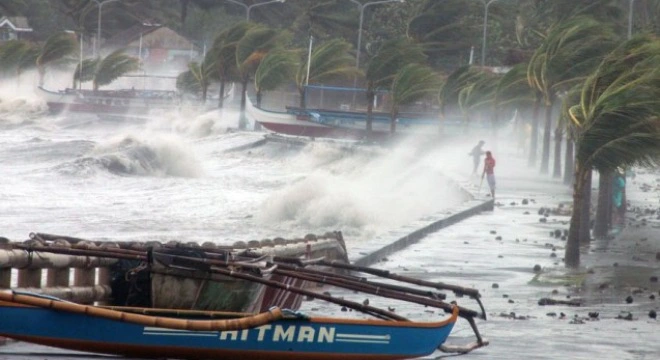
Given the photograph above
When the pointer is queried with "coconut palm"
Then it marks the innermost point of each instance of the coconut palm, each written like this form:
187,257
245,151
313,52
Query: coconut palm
618,123
570,51
17,56
187,83
411,83
513,91
382,68
452,96
85,71
202,73
275,69
223,55
329,61
478,96
111,67
57,48
250,51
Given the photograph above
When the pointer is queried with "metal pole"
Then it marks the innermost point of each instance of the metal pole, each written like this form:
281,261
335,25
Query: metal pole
361,7
483,42
309,59
630,17
359,41
98,28
81,63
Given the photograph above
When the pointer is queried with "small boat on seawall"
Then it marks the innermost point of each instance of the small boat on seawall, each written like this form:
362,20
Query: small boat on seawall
349,125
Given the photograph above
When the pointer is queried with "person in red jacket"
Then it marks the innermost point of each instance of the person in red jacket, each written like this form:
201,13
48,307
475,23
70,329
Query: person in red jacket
489,167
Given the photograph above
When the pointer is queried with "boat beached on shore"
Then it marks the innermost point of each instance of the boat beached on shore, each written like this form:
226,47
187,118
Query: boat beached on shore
185,331
351,125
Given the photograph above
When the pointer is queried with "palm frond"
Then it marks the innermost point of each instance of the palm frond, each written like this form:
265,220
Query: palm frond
276,69
113,66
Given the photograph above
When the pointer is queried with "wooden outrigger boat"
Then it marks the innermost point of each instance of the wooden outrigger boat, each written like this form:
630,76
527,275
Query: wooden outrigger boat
149,281
276,333
109,102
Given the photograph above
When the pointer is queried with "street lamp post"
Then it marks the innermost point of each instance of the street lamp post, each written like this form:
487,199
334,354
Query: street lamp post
361,7
248,8
98,29
483,42
630,17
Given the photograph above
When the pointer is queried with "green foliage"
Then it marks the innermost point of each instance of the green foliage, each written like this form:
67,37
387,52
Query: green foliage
572,49
276,68
254,46
86,72
414,82
57,47
187,83
513,90
113,66
329,61
391,56
618,114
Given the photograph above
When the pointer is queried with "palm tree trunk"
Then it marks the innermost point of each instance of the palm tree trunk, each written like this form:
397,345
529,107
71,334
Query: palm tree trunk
569,161
221,98
42,75
585,217
242,120
303,98
556,173
545,157
259,95
604,206
534,141
572,251
394,114
370,109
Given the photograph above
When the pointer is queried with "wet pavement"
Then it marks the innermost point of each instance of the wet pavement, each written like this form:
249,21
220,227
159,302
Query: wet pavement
496,252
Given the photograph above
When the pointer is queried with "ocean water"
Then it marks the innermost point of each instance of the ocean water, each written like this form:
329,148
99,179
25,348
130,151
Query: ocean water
179,176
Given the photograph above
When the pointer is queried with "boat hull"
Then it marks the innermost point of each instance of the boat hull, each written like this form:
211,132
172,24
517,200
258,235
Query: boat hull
301,338
117,103
337,125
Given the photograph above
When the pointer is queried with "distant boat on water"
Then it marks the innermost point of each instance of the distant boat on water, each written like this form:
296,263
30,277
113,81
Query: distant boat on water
109,102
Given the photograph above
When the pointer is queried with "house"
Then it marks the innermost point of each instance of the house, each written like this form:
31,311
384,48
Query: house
160,49
14,28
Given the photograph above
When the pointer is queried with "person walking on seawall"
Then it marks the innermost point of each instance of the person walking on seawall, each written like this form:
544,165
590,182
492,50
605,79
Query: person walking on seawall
489,167
476,155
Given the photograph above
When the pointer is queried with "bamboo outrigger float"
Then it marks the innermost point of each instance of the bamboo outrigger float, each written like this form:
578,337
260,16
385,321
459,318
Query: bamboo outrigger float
183,332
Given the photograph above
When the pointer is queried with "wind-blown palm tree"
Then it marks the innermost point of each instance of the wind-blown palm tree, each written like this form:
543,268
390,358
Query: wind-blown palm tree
275,69
250,51
411,83
570,51
85,71
111,67
223,55
382,68
618,121
329,61
57,48
17,56
513,91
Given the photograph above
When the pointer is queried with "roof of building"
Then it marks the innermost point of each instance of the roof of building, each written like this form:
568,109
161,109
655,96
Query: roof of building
16,23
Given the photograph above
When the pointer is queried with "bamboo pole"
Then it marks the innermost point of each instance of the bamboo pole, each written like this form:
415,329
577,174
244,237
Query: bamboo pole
164,322
212,273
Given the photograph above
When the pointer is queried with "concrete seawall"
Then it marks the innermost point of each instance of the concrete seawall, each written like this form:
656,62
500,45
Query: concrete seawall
467,210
